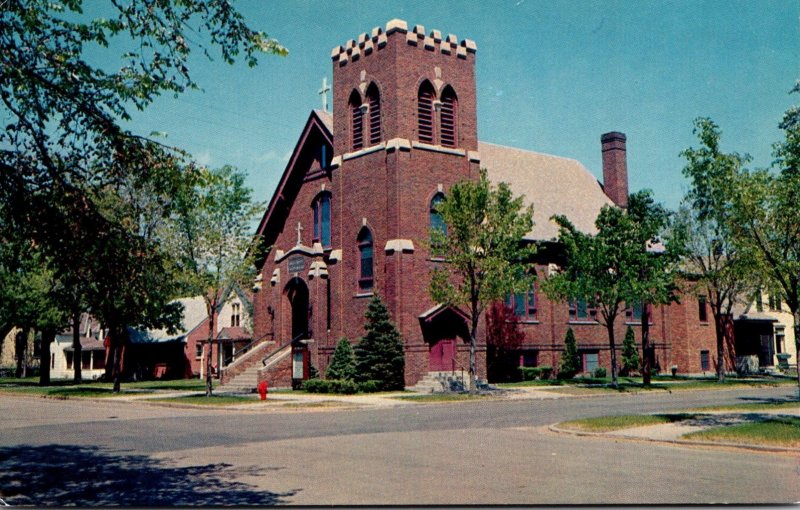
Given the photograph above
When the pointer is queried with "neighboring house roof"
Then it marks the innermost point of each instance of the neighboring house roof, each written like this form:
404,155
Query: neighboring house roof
554,185
233,333
194,312
88,344
750,312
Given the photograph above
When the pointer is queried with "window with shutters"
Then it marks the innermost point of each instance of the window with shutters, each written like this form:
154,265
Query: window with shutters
356,122
448,113
374,102
366,261
425,112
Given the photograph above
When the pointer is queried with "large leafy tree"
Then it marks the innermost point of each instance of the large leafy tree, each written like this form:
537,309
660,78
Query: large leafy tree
485,254
766,218
72,177
615,267
717,267
210,235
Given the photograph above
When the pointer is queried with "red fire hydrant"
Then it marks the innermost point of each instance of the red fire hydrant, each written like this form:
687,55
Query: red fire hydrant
262,390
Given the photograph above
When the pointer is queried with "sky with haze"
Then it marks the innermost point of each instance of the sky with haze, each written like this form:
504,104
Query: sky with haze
552,76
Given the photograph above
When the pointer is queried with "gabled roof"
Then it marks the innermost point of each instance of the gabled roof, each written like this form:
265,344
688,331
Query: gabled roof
554,185
233,333
194,312
318,121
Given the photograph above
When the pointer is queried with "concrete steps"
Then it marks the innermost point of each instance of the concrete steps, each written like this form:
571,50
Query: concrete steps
245,382
440,382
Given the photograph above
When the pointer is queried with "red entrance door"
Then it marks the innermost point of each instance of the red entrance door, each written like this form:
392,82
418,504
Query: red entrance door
442,355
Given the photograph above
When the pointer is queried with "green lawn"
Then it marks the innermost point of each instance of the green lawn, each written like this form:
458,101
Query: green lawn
634,384
67,388
777,431
213,400
756,406
609,423
442,397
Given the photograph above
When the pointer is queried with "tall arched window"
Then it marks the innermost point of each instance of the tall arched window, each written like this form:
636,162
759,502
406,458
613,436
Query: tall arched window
366,261
357,121
448,134
437,222
374,102
322,219
425,112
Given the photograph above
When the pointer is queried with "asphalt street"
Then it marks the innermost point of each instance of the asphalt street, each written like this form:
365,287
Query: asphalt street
488,452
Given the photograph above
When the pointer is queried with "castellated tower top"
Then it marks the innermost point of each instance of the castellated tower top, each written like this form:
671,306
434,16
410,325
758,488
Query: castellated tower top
366,43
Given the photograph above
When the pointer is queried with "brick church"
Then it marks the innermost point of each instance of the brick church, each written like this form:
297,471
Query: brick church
354,207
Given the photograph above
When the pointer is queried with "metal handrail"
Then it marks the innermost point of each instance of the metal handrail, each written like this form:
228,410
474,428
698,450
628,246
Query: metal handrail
282,347
241,351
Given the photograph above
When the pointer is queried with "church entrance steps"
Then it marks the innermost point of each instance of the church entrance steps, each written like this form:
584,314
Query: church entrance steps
242,374
440,382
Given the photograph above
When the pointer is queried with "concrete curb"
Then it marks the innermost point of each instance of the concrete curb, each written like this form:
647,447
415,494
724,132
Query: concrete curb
679,442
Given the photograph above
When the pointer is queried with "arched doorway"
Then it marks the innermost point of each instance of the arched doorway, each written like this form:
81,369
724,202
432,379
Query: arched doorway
297,294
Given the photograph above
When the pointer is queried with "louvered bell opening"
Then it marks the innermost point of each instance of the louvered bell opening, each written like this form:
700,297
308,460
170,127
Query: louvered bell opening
448,116
425,116
358,127
374,120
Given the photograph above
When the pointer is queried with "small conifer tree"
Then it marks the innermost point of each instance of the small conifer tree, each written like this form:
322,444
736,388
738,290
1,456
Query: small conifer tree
343,362
570,361
630,354
379,354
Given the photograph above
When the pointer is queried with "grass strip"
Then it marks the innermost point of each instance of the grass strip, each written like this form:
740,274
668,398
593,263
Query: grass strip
213,400
441,397
778,431
609,423
753,406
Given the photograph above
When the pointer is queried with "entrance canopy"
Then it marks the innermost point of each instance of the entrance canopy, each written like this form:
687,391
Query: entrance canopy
444,322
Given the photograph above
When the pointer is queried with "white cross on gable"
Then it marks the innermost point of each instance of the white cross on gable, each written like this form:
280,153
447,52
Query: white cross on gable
324,93
299,230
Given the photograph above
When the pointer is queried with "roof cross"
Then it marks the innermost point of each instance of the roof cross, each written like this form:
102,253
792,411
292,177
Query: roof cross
323,92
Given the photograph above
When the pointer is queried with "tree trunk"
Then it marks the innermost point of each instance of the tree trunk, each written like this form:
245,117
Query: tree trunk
645,345
115,345
613,346
76,346
48,335
473,340
210,309
796,316
720,347
20,351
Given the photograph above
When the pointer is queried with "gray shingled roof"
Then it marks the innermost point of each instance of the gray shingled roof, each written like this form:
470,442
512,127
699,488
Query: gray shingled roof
554,185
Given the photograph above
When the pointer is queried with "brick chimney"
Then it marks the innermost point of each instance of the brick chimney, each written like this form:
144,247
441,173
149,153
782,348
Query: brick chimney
615,167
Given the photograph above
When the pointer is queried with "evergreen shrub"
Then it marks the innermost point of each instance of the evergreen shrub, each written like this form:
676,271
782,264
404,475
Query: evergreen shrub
570,363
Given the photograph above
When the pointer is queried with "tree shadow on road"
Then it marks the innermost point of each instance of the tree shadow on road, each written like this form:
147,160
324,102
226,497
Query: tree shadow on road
58,475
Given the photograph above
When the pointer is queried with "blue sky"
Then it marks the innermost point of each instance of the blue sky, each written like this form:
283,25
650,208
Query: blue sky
552,77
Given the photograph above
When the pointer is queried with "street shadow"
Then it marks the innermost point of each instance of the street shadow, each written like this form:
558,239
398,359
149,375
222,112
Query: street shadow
58,475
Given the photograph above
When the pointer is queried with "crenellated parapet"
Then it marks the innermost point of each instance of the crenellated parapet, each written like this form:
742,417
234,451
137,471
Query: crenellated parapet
367,43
